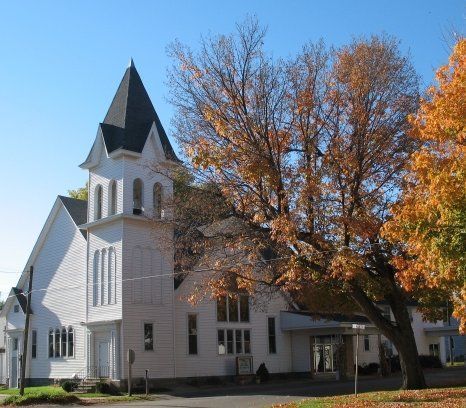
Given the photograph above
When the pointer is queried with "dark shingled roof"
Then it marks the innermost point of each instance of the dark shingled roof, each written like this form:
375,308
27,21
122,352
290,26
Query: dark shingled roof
22,300
131,116
77,209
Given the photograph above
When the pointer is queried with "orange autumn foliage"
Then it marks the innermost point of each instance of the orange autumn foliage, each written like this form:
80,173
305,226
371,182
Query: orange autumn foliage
431,216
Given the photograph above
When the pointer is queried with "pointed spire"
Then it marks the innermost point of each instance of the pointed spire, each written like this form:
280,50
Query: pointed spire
131,115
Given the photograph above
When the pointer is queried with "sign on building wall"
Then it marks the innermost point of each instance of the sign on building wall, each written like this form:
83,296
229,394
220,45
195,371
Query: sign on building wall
244,365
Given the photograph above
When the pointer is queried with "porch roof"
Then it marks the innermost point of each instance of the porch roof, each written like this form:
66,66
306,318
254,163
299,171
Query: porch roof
439,331
324,324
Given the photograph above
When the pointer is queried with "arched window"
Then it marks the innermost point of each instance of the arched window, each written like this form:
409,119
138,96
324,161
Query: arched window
51,343
70,342
98,202
57,342
157,200
95,279
113,198
111,276
103,277
64,341
137,196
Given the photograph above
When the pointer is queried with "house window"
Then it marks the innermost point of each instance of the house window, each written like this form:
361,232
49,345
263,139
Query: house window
34,344
57,343
70,342
113,198
64,342
434,349
111,276
103,276
386,312
229,341
157,200
148,336
367,344
137,196
233,308
16,308
222,309
192,334
51,354
15,344
95,279
233,341
221,341
272,335
98,202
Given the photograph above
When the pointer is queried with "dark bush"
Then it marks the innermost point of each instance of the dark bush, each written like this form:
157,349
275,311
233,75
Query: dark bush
69,385
368,369
395,364
102,387
430,361
263,373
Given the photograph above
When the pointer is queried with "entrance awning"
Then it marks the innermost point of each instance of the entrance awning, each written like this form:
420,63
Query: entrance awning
325,324
441,331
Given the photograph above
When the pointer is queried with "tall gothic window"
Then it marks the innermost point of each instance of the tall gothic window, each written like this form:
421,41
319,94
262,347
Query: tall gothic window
137,196
157,200
98,202
113,198
95,279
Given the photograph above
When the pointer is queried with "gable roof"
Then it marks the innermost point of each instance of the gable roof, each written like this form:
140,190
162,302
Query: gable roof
130,118
76,208
22,300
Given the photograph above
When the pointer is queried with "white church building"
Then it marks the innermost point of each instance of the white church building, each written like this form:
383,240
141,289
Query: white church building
103,283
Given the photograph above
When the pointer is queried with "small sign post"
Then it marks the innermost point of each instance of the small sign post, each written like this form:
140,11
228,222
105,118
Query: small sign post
147,382
130,357
357,327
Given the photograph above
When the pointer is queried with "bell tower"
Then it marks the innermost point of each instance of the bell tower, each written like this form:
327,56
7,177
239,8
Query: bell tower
130,232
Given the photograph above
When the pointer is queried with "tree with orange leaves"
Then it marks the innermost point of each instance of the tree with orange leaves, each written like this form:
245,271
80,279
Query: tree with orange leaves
309,155
430,218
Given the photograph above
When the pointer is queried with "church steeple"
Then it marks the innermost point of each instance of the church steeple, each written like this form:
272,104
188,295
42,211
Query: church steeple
130,117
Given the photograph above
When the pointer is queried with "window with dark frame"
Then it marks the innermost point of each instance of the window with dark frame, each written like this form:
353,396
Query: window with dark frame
51,353
236,341
221,342
272,335
192,334
233,308
34,344
70,342
148,337
367,343
57,343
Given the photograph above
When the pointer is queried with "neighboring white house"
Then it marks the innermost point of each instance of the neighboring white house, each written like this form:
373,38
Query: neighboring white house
104,282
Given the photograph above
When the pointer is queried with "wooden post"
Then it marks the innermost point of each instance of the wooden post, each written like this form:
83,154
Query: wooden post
356,362
130,358
26,334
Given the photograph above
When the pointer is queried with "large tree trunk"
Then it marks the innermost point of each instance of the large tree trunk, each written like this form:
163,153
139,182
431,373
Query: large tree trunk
405,343
400,334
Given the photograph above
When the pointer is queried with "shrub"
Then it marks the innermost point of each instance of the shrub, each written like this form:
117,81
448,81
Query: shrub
263,373
69,385
368,369
106,388
430,361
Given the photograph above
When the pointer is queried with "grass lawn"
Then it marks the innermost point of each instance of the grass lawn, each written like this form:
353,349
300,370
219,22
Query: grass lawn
432,397
56,395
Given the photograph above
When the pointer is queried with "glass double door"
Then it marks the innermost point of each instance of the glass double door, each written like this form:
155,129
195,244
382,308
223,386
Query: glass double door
325,354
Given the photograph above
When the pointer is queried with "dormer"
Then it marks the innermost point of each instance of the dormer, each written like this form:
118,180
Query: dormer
130,135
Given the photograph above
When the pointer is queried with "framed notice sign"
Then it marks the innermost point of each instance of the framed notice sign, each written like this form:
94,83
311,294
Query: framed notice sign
244,365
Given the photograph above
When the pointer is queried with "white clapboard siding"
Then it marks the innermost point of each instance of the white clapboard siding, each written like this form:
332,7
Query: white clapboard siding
208,362
60,269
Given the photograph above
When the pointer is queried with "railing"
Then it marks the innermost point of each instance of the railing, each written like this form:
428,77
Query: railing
93,372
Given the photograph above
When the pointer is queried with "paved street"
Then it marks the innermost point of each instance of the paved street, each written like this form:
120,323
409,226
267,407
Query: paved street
286,391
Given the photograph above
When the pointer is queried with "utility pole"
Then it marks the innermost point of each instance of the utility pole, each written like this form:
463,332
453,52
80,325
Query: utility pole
358,328
26,334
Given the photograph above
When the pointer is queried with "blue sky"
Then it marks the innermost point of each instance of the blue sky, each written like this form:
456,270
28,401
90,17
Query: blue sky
61,62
